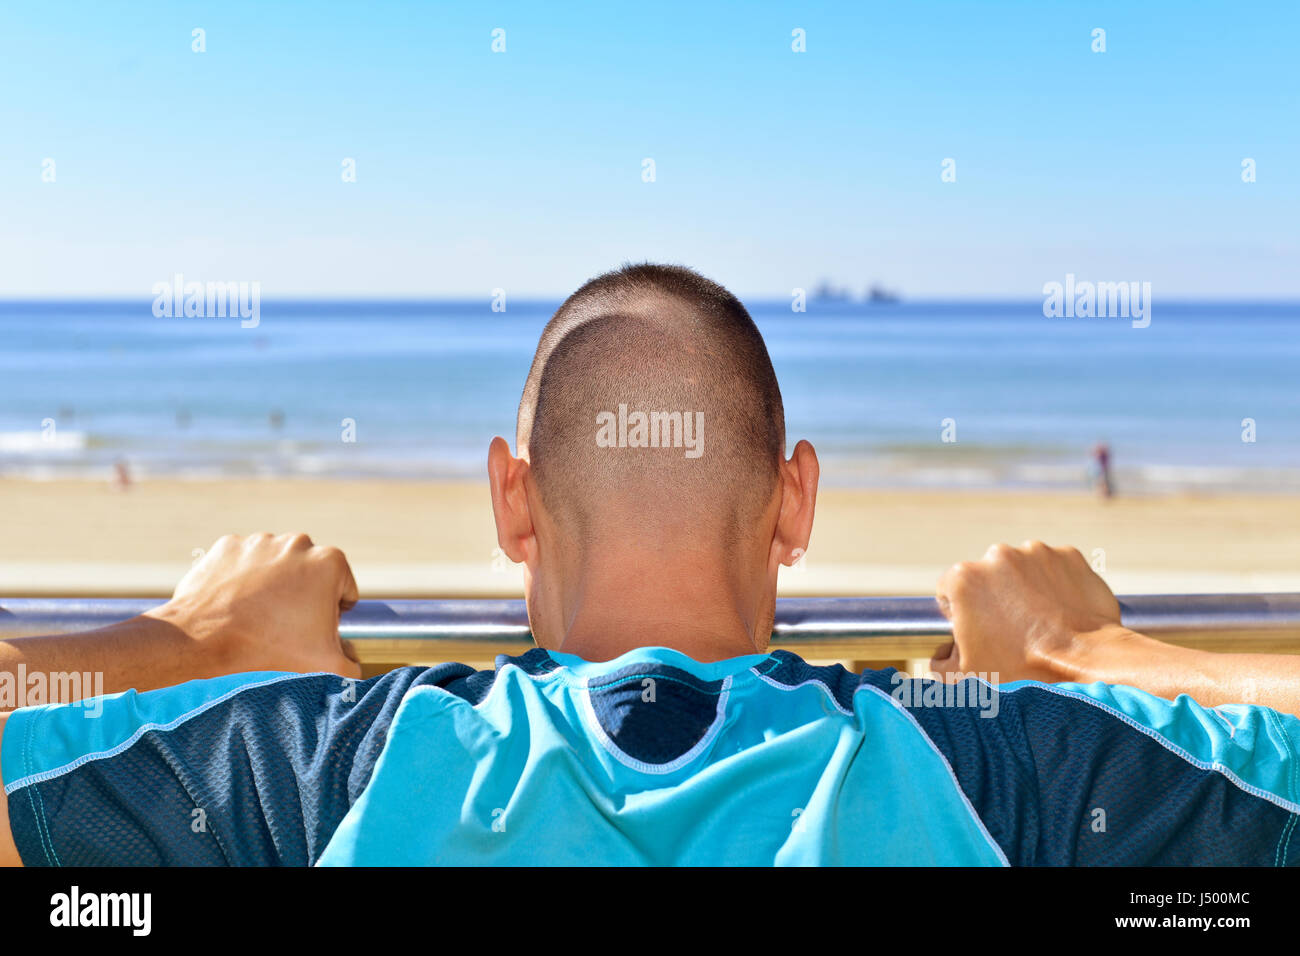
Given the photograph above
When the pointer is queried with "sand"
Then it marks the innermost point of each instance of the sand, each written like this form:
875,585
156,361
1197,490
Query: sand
409,539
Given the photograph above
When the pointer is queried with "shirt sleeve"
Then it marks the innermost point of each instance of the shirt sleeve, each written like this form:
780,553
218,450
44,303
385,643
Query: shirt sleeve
248,769
1097,774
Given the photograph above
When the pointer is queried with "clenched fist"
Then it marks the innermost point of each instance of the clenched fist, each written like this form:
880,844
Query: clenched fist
267,603
1023,612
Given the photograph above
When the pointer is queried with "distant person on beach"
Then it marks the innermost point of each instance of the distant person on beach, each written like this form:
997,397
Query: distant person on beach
1099,469
652,503
121,476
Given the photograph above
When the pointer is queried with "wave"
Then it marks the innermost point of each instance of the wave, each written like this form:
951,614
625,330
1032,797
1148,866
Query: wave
43,442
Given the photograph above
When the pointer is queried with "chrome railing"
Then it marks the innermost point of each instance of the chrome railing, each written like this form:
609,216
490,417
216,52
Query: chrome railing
857,628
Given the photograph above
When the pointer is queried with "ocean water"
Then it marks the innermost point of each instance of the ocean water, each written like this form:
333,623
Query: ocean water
84,385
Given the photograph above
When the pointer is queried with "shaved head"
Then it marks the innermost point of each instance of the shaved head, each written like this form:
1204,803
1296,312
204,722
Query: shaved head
652,407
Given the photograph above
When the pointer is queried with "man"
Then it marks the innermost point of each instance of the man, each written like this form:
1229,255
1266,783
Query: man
652,504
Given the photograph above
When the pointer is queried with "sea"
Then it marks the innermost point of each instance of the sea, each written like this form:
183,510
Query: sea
976,394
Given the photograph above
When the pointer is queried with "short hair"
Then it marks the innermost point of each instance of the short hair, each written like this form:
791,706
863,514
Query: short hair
656,340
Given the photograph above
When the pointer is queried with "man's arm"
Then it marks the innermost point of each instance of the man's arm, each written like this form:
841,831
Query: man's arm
8,852
263,603
1041,613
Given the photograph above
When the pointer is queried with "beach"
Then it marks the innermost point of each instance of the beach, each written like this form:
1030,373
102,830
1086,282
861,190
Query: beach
941,428
961,395
436,539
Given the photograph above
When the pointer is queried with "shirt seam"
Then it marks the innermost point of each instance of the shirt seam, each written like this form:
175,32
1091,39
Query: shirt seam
1210,766
32,779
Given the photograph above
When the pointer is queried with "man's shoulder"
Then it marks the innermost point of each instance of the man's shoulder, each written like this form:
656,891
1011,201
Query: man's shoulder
244,768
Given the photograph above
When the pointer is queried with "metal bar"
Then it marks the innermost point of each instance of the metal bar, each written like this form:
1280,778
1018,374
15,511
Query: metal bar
860,628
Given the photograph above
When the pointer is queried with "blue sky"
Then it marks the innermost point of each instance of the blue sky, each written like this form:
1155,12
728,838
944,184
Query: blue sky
522,170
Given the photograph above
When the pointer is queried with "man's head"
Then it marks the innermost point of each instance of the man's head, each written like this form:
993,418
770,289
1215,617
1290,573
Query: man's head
651,444
652,403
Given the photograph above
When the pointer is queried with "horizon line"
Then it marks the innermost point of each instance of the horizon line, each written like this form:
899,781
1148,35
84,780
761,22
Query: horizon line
536,299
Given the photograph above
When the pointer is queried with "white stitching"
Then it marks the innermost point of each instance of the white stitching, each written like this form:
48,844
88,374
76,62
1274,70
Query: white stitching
589,711
939,753
1168,744
143,729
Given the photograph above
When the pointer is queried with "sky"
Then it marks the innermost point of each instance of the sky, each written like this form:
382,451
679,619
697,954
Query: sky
523,170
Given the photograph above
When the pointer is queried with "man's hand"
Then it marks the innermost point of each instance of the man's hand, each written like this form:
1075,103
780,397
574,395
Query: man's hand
1024,613
262,603
266,603
1040,613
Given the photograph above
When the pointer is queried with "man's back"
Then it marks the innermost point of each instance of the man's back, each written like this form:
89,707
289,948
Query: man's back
653,758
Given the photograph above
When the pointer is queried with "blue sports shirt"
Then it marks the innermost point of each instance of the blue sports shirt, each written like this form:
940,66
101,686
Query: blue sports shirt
652,758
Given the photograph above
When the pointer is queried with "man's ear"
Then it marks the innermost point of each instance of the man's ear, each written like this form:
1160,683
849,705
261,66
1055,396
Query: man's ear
798,501
507,477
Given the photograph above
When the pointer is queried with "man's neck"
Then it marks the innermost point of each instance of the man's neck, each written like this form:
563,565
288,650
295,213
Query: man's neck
628,601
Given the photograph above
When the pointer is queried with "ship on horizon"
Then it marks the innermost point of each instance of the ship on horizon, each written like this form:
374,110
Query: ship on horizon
879,295
876,294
